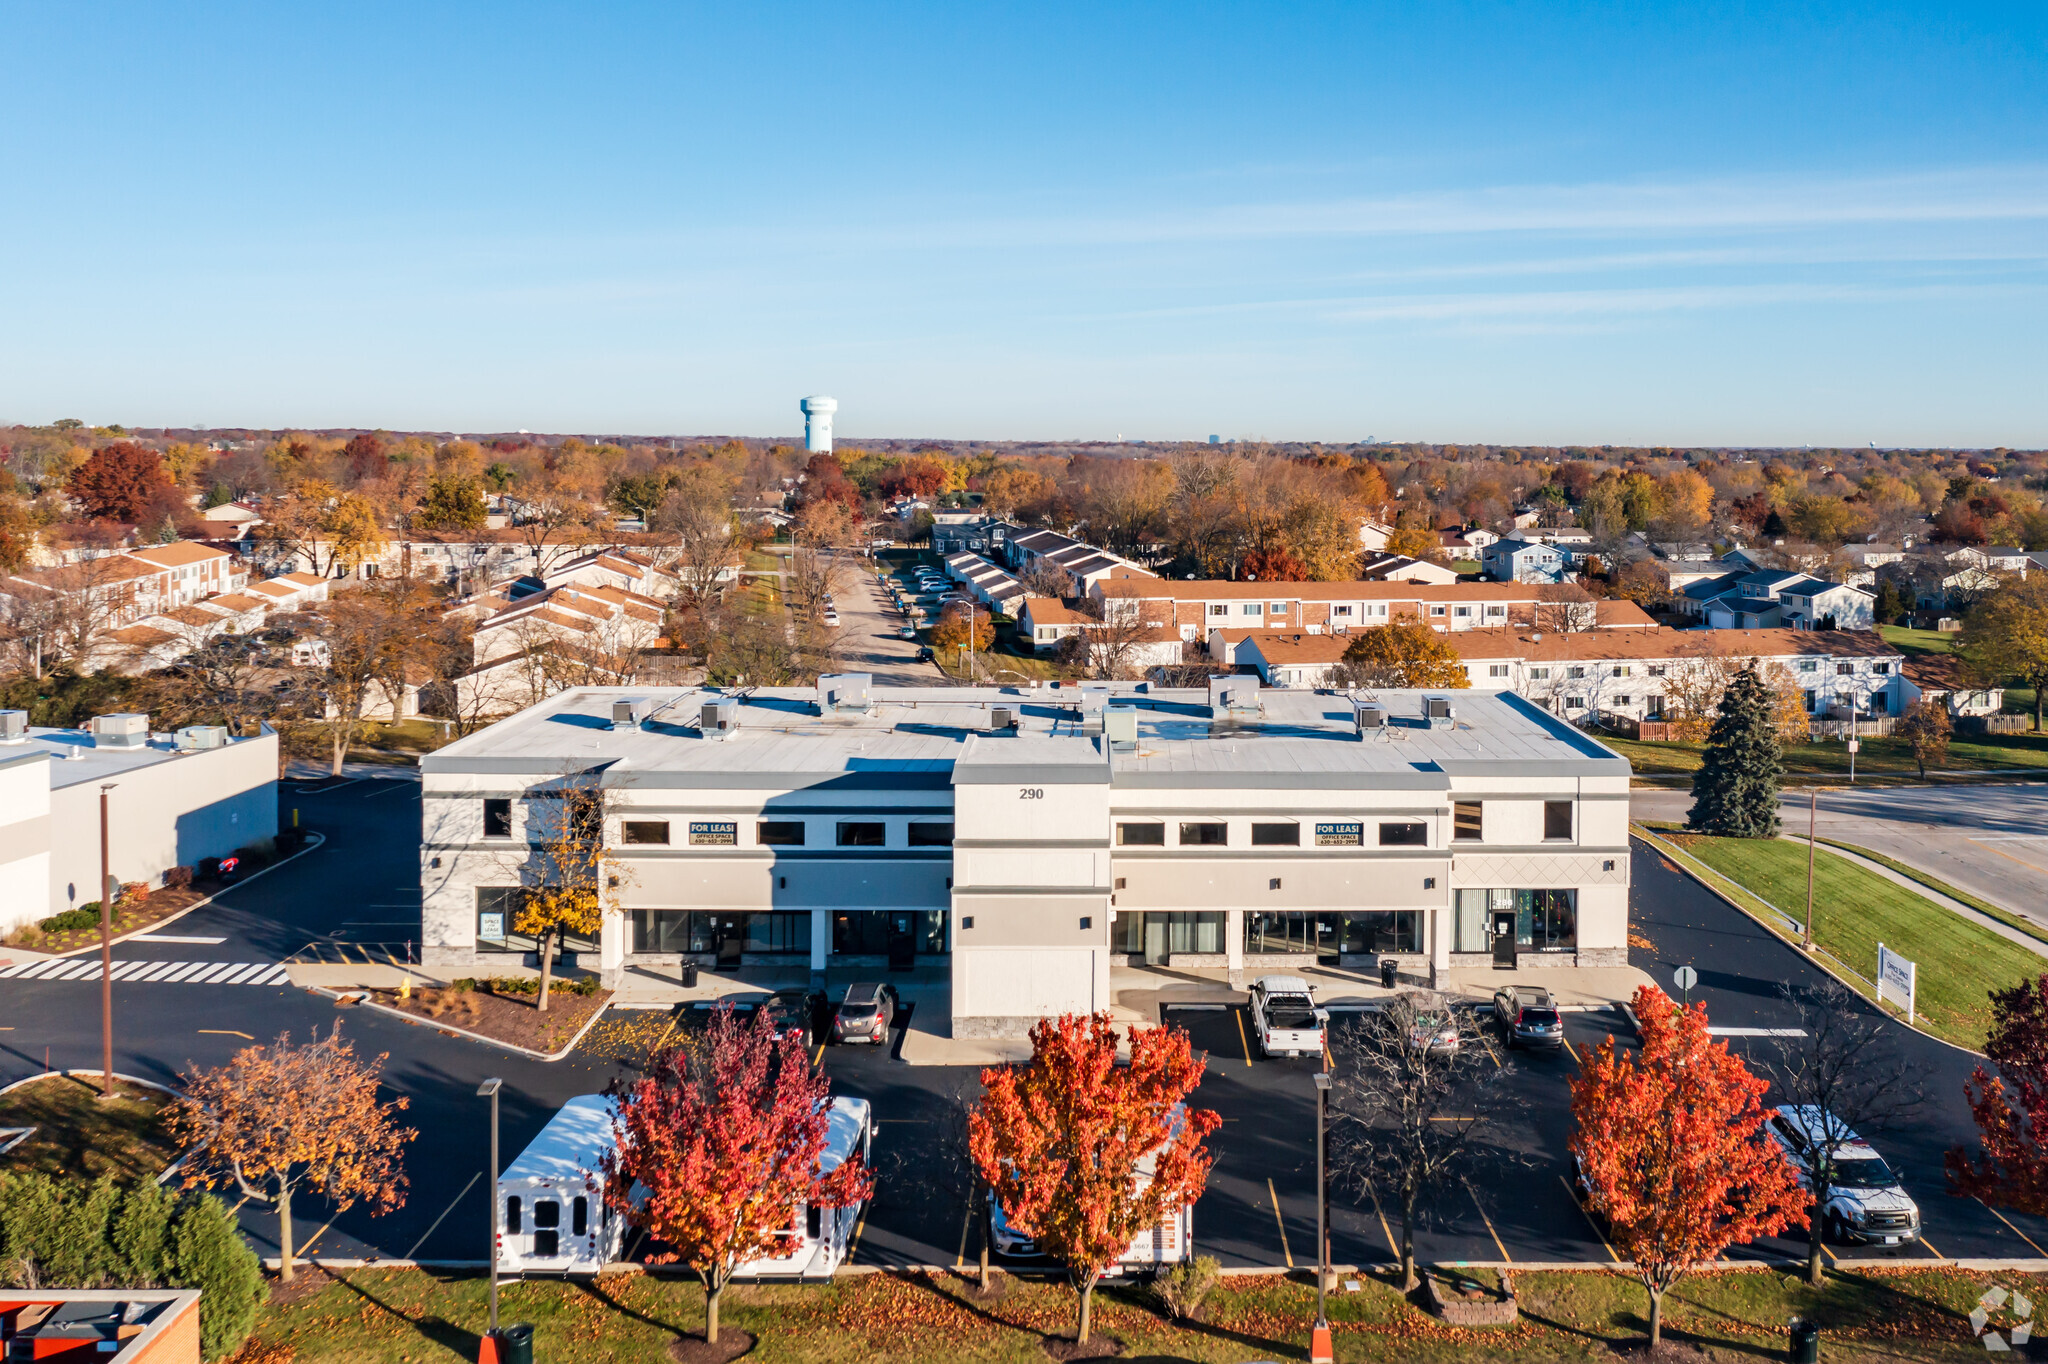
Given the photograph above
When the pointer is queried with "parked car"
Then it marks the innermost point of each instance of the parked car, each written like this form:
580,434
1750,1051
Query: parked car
906,631
1285,1019
831,618
924,654
1433,1027
866,1014
1865,1201
795,1011
1528,1017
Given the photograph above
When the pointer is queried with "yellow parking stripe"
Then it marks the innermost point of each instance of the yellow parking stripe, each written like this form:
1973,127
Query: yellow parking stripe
1587,1214
1275,1193
1386,1230
966,1221
2001,1217
1505,1257
1569,1052
1238,1014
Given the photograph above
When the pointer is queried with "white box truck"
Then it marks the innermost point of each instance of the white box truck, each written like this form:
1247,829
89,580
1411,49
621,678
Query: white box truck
551,1212
1169,1243
818,1239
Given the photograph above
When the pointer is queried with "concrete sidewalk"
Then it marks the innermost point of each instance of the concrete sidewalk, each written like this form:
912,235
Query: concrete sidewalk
1150,991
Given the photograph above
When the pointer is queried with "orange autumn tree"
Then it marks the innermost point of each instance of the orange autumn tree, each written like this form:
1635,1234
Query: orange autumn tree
1672,1147
723,1142
1061,1138
280,1118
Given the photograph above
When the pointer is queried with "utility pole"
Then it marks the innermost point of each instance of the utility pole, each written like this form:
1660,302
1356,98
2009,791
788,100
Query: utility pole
107,888
490,1088
1812,816
1321,1348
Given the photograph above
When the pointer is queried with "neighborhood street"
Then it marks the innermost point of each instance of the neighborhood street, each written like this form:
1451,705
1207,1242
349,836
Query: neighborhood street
1259,1210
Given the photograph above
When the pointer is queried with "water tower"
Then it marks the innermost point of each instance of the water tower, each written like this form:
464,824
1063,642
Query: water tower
818,424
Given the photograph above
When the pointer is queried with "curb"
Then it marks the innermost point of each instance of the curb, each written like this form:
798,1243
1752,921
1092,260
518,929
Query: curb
171,1170
361,1002
1674,856
313,840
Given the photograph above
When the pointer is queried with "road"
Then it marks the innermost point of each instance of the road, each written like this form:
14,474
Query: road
1990,840
1260,1207
868,634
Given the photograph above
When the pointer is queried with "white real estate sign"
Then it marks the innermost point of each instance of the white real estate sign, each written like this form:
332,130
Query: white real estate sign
1896,975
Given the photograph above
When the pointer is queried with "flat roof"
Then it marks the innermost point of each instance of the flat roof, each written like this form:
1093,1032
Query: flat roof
75,760
930,738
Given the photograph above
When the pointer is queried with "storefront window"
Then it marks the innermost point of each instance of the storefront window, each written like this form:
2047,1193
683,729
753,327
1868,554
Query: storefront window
497,909
1184,930
1545,920
1273,932
1385,930
1469,932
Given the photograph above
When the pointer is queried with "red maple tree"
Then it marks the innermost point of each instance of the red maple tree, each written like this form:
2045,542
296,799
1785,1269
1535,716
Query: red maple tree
1672,1149
1067,1139
2011,1107
723,1142
122,482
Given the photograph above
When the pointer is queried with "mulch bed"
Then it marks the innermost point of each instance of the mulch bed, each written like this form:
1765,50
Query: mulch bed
160,905
732,1343
1099,1346
503,1018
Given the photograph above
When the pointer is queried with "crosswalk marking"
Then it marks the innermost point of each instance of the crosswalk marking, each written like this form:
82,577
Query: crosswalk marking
153,972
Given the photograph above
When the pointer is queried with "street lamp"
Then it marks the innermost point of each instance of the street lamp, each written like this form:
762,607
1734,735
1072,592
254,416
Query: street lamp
1321,1349
489,1090
108,886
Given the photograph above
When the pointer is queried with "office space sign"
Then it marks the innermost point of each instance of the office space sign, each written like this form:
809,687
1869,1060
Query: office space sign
1347,834
1896,976
718,833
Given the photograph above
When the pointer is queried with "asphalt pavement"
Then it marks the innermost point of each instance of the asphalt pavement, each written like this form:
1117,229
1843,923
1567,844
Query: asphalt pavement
1260,1208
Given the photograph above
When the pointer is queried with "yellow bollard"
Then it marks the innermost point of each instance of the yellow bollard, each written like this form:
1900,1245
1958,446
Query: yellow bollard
405,987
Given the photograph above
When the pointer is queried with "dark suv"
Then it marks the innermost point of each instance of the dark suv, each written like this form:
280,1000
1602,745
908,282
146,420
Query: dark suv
796,1011
1529,1017
866,1014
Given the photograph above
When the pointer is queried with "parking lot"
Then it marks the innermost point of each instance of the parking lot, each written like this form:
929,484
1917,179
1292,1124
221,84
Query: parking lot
1259,1209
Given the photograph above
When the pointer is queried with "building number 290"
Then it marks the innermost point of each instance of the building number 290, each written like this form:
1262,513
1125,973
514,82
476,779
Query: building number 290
1031,793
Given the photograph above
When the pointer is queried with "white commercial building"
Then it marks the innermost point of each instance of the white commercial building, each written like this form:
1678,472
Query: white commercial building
174,799
1037,835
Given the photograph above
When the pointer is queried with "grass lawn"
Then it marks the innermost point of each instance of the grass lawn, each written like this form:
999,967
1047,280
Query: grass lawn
1000,667
78,1136
1854,910
2031,929
414,1317
1913,642
1883,757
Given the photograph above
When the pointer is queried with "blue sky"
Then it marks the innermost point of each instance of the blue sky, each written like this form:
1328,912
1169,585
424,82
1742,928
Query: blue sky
1627,223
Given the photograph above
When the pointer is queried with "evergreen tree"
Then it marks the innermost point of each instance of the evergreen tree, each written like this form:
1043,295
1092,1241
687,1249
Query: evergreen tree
209,1254
1735,793
141,1233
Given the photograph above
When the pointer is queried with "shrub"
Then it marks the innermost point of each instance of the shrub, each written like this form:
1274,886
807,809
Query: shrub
1181,1289
209,1254
141,1233
72,920
132,893
526,985
177,878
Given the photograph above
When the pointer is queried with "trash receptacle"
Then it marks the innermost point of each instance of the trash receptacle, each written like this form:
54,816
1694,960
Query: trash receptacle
690,975
515,1344
1805,1348
1388,968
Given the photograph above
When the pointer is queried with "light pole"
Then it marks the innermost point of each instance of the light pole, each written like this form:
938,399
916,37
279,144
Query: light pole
1812,815
1321,1349
107,888
489,1089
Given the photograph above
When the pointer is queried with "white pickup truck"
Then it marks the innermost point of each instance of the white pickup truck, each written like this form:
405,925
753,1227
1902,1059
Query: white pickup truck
1285,1017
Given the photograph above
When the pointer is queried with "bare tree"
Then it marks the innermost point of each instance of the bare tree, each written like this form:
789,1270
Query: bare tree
1047,579
1845,1068
706,540
1563,608
1415,1101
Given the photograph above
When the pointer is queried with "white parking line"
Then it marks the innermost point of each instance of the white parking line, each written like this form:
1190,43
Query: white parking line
172,937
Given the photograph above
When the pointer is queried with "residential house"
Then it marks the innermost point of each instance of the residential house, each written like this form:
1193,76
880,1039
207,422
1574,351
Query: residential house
1773,597
1373,535
1465,542
1290,658
1399,568
955,532
1200,607
290,591
1524,561
191,570
988,583
1082,563
1638,676
1942,677
1042,622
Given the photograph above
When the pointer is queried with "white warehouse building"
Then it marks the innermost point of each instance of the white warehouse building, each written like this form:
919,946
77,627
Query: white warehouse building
174,799
1038,836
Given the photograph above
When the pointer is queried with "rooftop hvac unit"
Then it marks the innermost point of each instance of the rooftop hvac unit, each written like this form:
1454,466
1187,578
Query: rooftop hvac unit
1236,694
1369,716
1437,710
1094,697
126,730
1120,727
629,711
721,716
197,738
1002,720
843,691
13,726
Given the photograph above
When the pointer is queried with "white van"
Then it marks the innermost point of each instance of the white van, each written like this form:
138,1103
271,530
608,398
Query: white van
1169,1243
551,1213
819,1239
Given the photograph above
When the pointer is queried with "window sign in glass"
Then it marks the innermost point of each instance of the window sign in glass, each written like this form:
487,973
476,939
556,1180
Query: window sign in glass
1340,834
714,833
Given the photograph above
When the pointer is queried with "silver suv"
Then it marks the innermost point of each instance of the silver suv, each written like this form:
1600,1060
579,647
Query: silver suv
1865,1202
